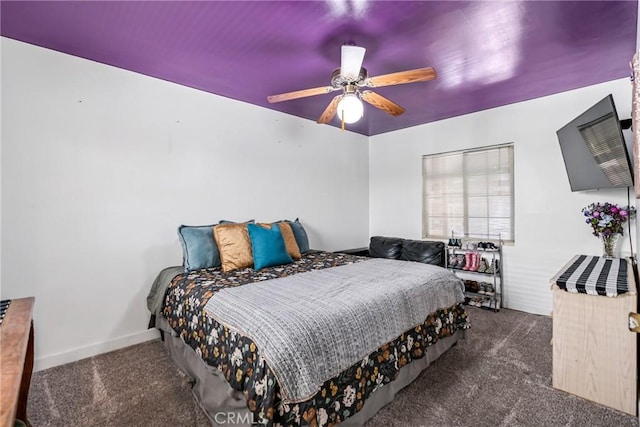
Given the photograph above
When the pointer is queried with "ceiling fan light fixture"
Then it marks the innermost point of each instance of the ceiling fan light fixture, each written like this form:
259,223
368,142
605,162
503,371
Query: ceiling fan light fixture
352,107
350,78
351,61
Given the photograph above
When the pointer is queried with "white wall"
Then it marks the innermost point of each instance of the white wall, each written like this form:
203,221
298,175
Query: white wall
549,226
101,165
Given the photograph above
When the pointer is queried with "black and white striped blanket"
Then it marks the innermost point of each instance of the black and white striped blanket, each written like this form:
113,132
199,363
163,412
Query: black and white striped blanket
594,276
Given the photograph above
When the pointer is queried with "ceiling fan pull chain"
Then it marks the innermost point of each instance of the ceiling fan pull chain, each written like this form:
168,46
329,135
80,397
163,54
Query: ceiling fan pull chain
342,120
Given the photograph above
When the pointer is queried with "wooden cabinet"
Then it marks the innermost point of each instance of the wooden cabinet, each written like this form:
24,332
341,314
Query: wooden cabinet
16,359
594,353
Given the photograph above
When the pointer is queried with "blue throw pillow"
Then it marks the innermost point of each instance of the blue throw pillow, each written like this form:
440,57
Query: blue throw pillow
199,248
267,245
300,234
224,221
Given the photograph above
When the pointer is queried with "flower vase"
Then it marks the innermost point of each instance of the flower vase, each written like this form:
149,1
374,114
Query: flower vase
610,244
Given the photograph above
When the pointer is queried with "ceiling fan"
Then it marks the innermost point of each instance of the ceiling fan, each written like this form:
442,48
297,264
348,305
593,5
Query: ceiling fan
350,78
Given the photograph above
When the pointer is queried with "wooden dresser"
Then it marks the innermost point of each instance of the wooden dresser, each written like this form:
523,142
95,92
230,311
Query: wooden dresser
594,353
16,361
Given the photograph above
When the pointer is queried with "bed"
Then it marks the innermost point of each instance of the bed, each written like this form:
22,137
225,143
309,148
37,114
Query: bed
231,375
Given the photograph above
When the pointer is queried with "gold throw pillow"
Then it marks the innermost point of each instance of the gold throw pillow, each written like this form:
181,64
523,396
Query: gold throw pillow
234,245
289,240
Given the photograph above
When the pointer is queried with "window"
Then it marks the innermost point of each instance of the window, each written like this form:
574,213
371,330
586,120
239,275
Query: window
469,193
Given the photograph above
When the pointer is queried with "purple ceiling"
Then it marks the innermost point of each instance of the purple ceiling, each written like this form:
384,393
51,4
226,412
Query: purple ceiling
486,54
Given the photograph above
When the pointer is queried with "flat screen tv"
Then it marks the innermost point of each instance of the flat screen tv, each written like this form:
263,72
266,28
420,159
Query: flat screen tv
594,149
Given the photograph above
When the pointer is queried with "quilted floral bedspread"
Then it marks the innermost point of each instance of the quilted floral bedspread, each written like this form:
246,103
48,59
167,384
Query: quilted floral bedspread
239,359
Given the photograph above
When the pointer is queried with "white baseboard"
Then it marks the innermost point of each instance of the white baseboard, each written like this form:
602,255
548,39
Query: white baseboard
76,354
529,308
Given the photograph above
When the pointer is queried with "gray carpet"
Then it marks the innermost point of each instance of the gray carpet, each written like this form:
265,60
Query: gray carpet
500,375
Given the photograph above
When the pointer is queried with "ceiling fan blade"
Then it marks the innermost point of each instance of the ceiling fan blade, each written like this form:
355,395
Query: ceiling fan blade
300,94
330,111
402,77
382,103
351,61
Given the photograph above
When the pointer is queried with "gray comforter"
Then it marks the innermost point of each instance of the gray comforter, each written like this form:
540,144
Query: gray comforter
311,326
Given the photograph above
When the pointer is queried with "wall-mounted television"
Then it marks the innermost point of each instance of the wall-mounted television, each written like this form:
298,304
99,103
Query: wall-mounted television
594,149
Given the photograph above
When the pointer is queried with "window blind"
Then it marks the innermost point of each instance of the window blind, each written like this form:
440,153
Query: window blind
469,193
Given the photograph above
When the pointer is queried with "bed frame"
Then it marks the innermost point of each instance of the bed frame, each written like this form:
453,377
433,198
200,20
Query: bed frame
223,405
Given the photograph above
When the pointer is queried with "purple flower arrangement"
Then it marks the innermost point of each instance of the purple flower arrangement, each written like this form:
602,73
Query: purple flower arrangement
607,218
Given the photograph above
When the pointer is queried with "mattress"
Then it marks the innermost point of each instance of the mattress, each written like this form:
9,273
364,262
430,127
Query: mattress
237,359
